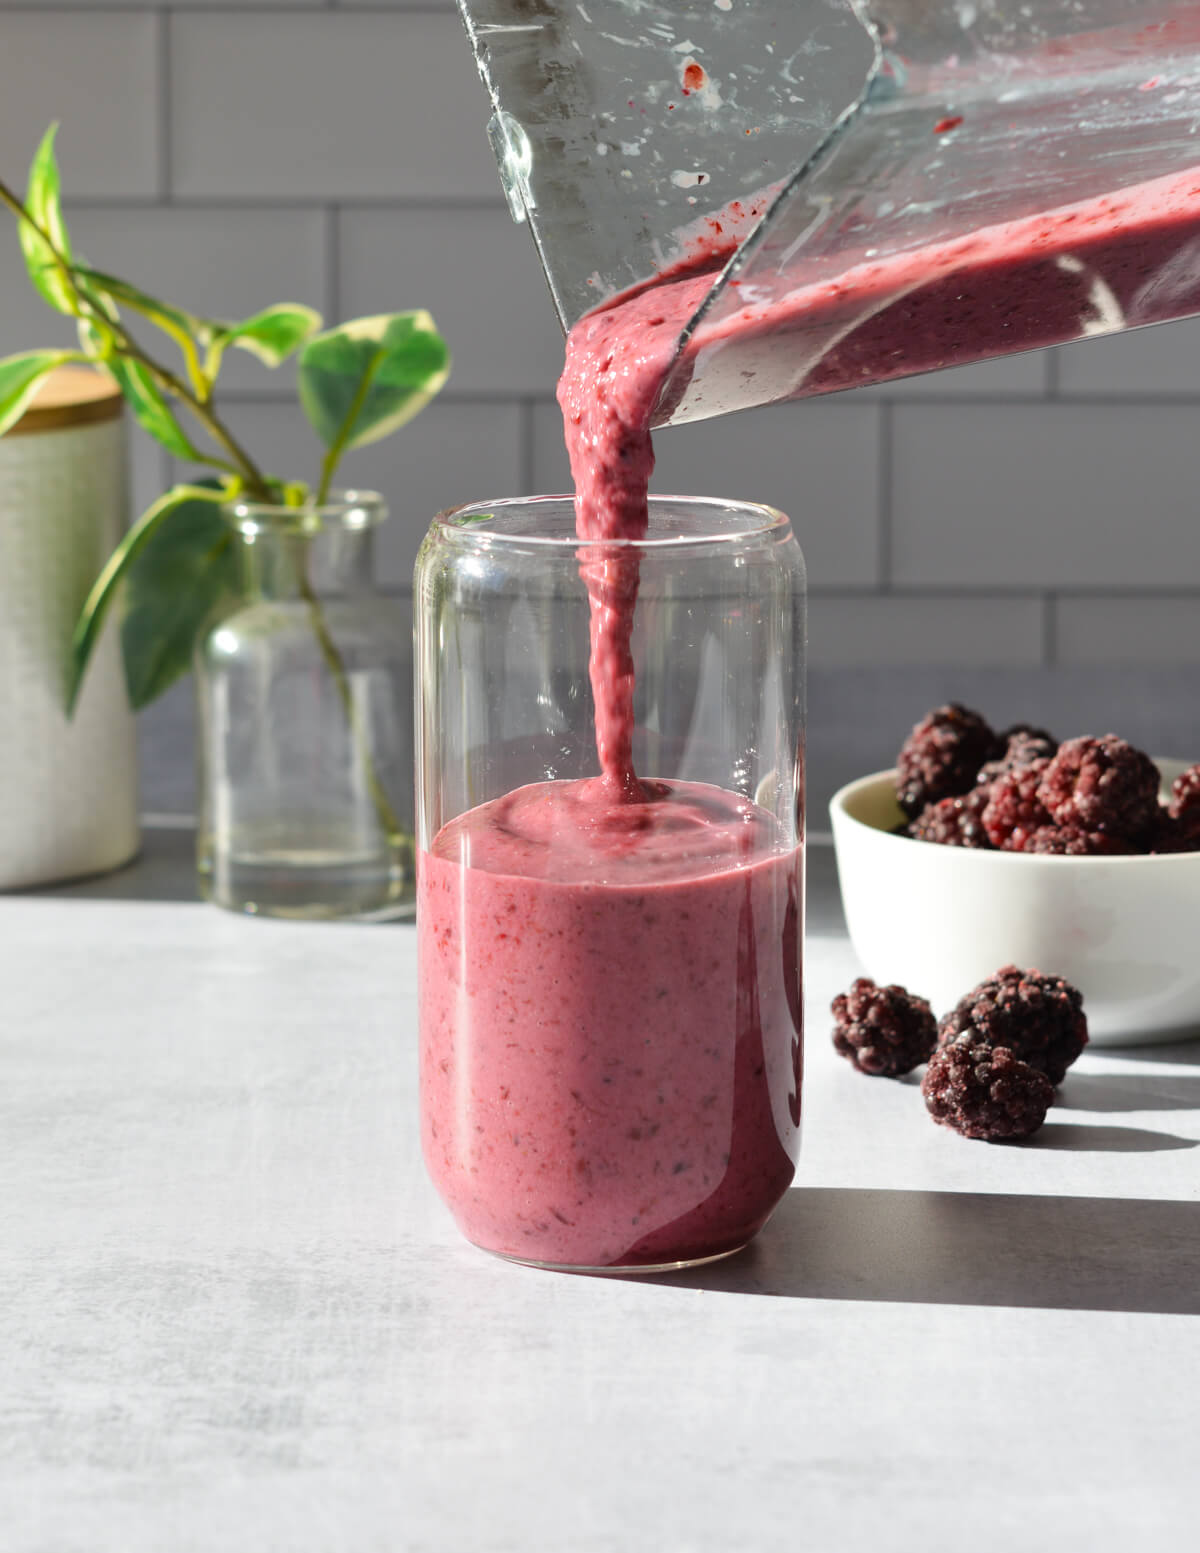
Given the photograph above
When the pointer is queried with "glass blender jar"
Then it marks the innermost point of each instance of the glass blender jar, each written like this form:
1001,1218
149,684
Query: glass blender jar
876,188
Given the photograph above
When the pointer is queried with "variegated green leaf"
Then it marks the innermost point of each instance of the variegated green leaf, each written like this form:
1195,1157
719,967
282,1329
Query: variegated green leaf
95,338
361,381
182,503
150,406
19,379
98,313
178,581
102,292
172,320
43,202
271,335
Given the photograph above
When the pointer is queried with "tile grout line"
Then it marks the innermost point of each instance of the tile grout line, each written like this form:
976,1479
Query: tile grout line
226,7
430,203
939,592
163,106
249,394
269,8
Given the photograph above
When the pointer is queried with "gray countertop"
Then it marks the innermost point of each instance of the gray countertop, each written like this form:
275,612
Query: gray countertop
234,1317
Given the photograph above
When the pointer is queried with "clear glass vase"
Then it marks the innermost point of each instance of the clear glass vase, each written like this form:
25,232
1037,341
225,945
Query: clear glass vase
304,725
609,978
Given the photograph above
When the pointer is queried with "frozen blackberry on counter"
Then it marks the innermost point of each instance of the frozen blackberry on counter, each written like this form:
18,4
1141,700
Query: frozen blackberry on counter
1070,841
1039,1018
1013,810
1102,784
1023,744
953,822
985,1091
884,1031
942,756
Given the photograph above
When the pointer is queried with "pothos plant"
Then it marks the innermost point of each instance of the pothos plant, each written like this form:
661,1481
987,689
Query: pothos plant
178,563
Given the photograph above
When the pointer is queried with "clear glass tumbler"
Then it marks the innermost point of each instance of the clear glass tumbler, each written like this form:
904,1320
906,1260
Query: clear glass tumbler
609,983
304,722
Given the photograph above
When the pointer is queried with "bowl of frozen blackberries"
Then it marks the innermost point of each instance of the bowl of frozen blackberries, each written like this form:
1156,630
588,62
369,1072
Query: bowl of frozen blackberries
988,847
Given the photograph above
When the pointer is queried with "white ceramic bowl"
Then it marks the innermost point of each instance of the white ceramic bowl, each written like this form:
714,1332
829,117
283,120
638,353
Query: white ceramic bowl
938,920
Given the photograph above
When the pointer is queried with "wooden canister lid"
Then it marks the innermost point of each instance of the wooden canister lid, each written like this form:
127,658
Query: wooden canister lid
70,396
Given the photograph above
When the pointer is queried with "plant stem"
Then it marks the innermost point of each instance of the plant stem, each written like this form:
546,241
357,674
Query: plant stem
7,197
330,462
242,463
392,827
328,465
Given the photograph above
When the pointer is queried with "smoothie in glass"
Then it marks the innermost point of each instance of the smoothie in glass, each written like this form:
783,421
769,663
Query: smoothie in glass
610,1022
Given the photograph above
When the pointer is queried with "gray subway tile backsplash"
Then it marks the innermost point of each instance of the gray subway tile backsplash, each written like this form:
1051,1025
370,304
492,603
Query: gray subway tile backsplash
992,520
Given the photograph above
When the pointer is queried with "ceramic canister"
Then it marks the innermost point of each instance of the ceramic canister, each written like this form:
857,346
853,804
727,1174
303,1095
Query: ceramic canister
68,787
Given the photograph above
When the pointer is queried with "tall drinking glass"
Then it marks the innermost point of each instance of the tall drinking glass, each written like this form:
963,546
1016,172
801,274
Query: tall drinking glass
610,1009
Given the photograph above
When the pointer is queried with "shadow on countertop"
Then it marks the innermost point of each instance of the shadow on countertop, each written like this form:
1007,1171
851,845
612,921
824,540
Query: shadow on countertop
1114,1092
163,870
969,1248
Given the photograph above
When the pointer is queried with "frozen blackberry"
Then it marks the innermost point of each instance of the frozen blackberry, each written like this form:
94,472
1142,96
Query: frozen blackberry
953,822
1039,1018
1013,810
1029,733
941,757
885,1031
1102,784
1022,744
984,1091
1184,807
1185,793
1070,841
1169,835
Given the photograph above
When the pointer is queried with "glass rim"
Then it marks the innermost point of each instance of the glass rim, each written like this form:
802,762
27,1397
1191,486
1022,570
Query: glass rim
456,526
350,509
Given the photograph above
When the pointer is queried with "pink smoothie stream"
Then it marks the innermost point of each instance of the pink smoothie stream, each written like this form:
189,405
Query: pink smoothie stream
610,970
